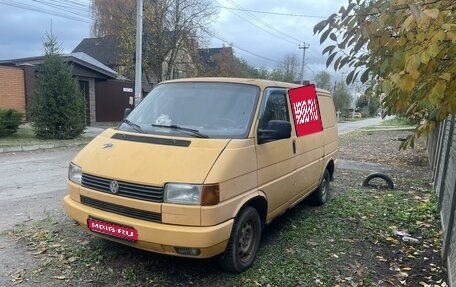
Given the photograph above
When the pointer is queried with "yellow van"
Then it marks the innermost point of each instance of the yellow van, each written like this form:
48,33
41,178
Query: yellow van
201,165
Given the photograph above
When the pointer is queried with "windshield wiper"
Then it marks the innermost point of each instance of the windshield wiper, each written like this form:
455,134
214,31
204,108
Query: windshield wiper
178,128
136,127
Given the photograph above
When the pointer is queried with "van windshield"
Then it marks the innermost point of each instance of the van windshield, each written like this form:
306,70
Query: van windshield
196,109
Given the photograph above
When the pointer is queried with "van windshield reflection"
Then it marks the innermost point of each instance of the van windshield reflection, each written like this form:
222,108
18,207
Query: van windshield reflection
196,109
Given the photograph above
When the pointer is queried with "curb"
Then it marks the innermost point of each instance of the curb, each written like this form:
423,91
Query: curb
24,148
381,129
90,133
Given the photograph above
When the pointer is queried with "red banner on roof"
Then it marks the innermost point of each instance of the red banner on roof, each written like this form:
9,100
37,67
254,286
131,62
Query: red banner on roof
306,111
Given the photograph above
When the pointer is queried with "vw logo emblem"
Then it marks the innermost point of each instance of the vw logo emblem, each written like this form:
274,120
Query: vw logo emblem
114,186
107,145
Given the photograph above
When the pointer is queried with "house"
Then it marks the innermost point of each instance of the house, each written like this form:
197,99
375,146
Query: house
106,93
12,88
104,50
108,51
207,62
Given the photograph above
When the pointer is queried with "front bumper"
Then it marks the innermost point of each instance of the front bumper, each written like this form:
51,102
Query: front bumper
157,237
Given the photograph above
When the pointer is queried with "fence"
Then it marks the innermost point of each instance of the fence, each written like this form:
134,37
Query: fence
441,147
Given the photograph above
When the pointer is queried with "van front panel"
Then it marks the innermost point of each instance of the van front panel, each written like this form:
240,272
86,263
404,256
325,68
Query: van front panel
148,164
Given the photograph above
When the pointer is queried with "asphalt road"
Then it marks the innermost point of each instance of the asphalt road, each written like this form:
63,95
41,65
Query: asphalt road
352,126
32,183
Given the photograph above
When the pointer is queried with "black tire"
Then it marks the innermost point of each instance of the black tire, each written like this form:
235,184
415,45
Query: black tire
320,195
244,241
383,176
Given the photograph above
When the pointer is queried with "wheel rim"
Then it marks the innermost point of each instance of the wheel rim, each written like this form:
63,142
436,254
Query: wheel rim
246,241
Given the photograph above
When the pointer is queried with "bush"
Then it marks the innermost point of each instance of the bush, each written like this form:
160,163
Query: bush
58,110
9,121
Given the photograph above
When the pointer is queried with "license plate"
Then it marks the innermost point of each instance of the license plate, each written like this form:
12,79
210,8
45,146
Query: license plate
112,229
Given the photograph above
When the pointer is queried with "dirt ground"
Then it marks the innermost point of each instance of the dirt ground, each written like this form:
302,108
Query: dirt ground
351,241
410,172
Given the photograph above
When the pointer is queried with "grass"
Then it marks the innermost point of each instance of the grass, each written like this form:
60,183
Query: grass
397,122
350,119
391,124
26,136
325,246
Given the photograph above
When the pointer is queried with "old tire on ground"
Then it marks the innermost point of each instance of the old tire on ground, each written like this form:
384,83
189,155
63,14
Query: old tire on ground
320,195
244,241
383,176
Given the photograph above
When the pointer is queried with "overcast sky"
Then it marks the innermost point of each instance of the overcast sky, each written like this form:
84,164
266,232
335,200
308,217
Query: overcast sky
268,36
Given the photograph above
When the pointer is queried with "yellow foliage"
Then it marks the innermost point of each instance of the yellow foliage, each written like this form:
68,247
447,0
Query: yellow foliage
433,13
408,47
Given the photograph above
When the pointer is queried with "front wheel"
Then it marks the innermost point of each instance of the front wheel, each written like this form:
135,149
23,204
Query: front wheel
244,241
320,195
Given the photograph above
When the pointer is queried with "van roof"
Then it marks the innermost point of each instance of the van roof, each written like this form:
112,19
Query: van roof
257,82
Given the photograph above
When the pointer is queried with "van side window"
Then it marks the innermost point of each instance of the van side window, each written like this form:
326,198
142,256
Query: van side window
274,108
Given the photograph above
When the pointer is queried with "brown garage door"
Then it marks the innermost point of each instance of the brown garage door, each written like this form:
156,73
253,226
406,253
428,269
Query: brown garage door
112,97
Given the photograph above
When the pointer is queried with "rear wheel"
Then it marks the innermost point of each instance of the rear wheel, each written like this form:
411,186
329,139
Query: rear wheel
320,195
244,241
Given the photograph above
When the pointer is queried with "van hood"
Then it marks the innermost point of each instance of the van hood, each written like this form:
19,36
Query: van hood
149,159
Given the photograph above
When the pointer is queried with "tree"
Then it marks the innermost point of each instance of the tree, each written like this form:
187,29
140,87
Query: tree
323,80
169,27
406,48
9,121
58,110
368,103
218,64
244,70
288,70
342,97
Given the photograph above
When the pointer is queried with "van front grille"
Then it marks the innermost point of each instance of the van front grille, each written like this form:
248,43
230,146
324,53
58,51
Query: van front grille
122,210
126,189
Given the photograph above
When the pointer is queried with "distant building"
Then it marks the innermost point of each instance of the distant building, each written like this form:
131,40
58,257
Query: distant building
106,92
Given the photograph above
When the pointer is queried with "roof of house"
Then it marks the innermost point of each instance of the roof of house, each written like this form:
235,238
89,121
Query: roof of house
105,50
79,58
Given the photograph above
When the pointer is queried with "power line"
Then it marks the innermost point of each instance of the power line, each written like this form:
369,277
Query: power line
46,11
239,48
274,13
62,9
264,23
64,6
310,69
269,32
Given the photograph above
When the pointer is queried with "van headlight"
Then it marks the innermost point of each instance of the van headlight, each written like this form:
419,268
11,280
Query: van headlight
192,194
75,173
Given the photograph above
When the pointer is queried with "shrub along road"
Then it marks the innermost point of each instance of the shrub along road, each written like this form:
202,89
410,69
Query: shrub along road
354,240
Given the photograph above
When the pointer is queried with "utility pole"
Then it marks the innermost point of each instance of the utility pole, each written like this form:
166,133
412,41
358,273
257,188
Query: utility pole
304,46
356,98
138,64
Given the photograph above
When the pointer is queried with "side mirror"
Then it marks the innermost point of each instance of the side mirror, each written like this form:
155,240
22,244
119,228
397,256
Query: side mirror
126,113
276,130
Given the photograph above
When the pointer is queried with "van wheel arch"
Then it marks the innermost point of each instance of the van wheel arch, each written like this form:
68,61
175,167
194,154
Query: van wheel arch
260,204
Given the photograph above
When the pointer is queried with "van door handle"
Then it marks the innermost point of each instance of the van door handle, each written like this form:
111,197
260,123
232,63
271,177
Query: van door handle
294,146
